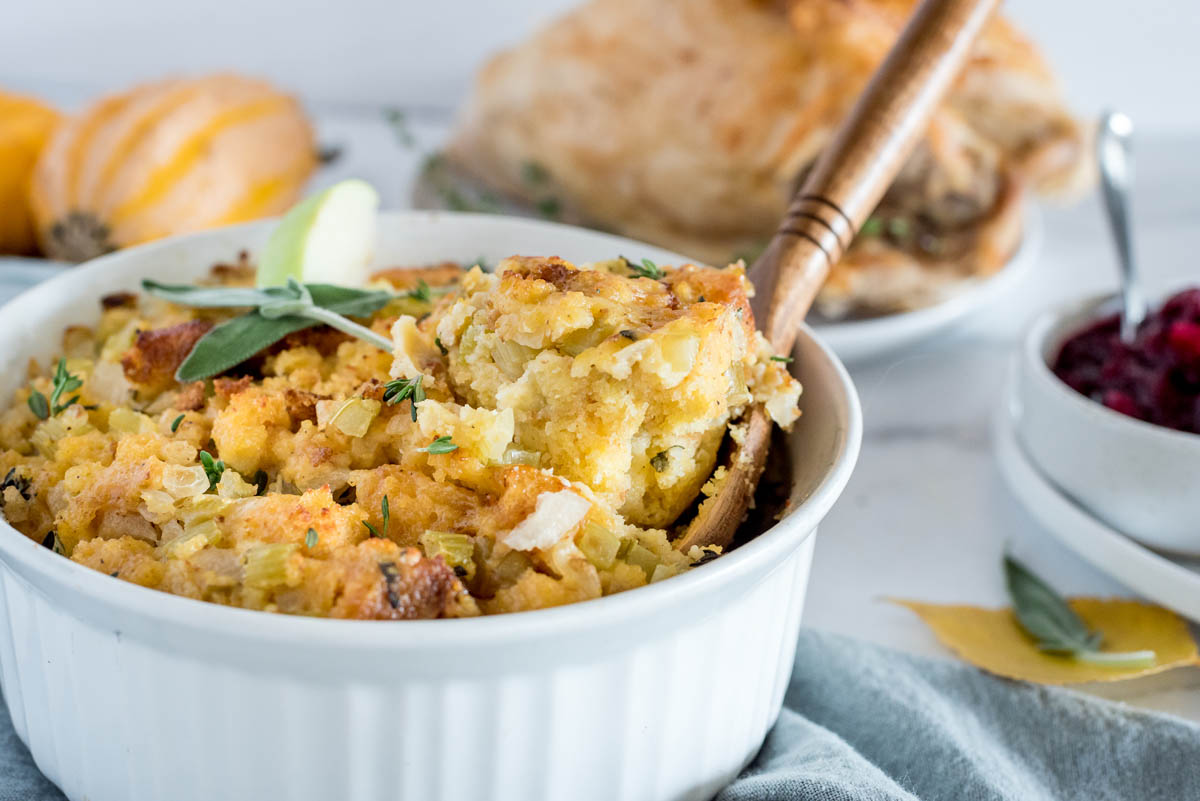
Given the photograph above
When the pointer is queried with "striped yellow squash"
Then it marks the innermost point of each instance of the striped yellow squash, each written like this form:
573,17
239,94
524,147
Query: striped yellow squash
168,158
25,125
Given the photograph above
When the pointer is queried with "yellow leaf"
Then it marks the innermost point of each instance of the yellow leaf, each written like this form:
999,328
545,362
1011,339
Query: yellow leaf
993,640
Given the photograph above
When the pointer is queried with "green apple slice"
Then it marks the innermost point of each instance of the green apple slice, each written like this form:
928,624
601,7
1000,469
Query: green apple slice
327,238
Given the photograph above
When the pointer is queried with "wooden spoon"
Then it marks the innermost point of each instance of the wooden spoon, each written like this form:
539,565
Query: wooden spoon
841,191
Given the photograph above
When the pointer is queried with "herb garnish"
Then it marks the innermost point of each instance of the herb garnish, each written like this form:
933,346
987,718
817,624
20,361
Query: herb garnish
647,269
387,516
1047,618
440,445
19,483
421,292
438,341
310,539
213,468
63,382
275,313
872,226
175,423
52,542
534,173
404,389
661,459
628,334
399,123
784,359
260,481
390,577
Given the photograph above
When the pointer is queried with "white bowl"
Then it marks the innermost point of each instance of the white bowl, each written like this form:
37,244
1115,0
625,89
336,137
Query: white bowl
664,692
1141,478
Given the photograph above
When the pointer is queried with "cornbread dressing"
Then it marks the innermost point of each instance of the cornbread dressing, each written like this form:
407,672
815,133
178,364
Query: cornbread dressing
584,408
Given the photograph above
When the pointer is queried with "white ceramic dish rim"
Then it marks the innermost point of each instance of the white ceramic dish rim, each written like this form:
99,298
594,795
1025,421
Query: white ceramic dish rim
1037,345
44,568
862,338
1109,550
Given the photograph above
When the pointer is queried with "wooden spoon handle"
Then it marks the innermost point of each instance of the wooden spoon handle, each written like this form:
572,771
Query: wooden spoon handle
856,169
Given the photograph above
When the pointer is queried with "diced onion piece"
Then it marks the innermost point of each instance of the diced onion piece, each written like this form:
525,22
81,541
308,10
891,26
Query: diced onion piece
185,482
115,346
511,357
160,506
457,550
355,416
599,545
577,342
554,517
108,383
644,558
177,451
232,486
267,565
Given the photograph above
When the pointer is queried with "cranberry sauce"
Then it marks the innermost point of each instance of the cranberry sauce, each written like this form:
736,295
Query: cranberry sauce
1156,379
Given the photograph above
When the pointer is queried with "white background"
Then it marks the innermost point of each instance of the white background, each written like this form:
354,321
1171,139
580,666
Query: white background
1140,55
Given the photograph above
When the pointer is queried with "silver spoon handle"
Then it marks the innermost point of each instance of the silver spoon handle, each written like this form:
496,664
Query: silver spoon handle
1114,152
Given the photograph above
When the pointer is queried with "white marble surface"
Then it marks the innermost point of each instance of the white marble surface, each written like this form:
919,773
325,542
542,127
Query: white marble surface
926,515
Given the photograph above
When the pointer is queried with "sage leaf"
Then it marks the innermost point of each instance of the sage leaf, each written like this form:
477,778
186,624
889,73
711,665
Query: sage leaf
241,338
1054,626
233,342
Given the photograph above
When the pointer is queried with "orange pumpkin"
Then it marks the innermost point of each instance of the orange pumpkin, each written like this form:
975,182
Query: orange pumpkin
25,125
167,158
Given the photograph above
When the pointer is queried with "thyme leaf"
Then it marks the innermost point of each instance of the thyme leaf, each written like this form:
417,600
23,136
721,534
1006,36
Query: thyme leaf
439,445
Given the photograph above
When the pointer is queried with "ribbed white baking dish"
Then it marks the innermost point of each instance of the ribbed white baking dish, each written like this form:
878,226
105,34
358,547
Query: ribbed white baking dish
126,694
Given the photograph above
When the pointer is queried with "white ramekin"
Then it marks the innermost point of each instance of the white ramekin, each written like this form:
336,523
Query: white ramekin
665,692
1138,477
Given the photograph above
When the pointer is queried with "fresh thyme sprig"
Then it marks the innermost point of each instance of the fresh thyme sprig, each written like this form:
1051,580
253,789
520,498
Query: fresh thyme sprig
213,468
386,513
1047,618
402,389
647,269
63,382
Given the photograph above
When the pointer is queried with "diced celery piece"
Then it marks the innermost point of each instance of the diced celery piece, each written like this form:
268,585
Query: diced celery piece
457,550
515,455
661,572
644,558
206,528
130,422
511,357
184,546
512,567
267,565
626,544
201,507
599,545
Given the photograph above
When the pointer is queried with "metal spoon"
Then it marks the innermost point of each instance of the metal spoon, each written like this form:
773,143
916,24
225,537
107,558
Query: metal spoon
1114,153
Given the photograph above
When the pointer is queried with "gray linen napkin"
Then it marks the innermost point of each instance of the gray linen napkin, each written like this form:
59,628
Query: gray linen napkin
863,723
